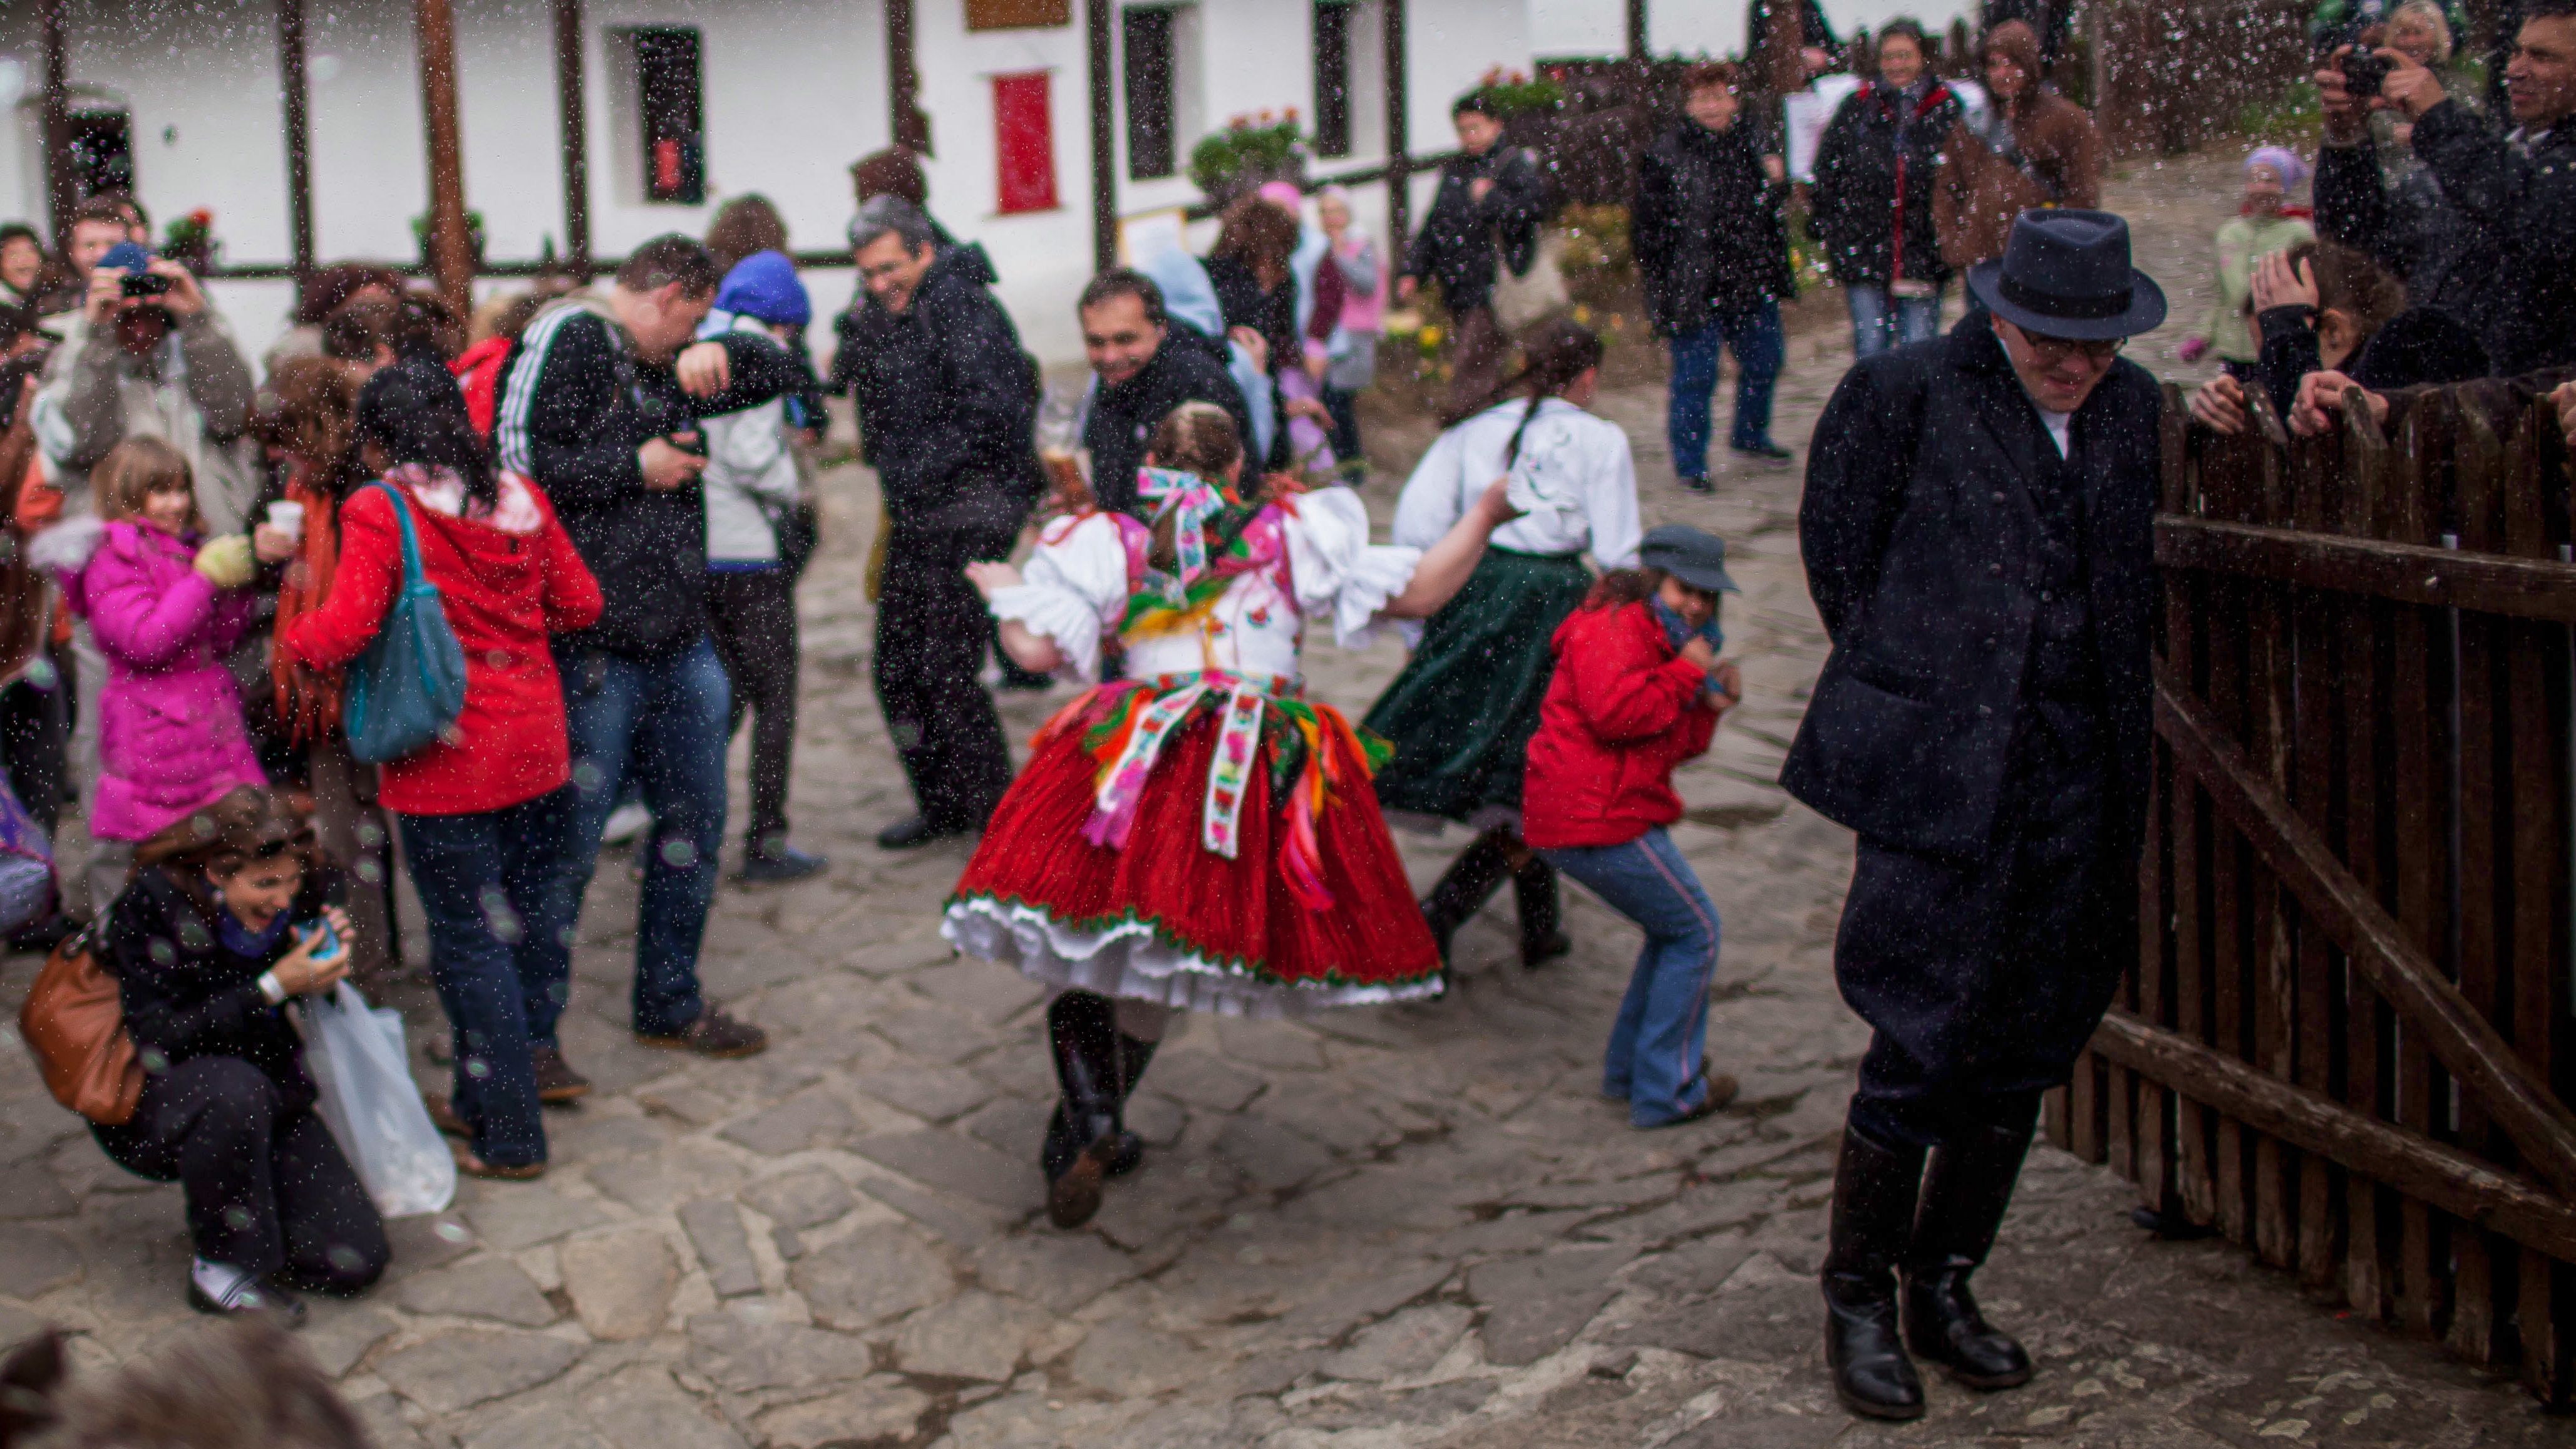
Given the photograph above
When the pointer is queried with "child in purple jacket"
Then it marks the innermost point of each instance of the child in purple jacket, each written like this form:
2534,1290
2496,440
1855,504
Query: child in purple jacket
165,611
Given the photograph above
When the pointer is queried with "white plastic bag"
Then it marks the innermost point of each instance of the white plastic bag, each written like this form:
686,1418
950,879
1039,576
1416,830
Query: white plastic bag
371,1105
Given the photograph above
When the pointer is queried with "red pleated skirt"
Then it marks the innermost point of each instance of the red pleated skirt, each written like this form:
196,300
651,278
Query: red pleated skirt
1168,921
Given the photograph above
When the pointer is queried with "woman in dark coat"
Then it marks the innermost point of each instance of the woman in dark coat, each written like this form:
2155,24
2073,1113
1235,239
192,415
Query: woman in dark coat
1871,204
1713,251
217,930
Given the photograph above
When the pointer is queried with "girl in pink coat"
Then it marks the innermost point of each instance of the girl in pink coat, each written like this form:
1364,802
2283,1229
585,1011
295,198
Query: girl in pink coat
165,612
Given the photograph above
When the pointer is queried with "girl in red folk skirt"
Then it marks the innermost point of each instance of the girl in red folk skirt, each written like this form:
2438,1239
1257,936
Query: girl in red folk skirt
1194,833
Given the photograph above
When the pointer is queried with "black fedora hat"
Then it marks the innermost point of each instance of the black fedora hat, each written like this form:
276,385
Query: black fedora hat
2066,274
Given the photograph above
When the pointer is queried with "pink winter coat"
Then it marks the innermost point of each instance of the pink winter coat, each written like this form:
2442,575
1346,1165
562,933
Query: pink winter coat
170,721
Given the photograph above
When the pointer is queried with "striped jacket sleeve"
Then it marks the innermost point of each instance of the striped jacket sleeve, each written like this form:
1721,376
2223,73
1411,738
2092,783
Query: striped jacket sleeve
558,402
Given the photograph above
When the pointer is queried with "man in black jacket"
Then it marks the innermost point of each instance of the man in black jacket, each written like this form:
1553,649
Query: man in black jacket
1978,537
1146,368
947,404
1490,201
600,407
1713,251
2517,191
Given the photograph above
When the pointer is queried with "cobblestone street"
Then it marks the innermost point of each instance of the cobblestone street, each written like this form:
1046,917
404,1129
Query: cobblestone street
1385,1227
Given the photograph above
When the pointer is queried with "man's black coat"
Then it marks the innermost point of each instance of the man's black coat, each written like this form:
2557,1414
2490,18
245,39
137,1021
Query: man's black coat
1708,233
1456,245
2523,195
1186,368
947,398
1921,541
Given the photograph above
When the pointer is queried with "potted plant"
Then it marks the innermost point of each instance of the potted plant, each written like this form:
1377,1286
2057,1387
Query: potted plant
1251,152
190,241
473,237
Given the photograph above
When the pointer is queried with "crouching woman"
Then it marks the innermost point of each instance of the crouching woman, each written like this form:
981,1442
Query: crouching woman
1637,692
213,936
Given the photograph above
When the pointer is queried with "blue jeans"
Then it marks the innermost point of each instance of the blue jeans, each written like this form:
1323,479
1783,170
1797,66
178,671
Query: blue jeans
482,880
1875,329
1658,1042
660,723
1759,349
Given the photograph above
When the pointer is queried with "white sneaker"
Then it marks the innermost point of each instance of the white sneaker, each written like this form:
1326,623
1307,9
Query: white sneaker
625,823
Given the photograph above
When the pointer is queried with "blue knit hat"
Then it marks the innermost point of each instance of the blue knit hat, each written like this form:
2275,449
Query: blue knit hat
763,287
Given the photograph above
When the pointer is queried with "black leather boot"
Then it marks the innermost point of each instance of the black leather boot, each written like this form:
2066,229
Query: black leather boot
1874,1191
1964,1197
1082,1136
1534,892
1470,881
1133,1056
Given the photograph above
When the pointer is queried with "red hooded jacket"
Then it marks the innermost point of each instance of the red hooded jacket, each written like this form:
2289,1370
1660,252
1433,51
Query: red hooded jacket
1622,710
503,593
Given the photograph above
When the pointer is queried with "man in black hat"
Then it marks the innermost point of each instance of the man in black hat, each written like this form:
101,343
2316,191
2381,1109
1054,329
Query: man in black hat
1977,533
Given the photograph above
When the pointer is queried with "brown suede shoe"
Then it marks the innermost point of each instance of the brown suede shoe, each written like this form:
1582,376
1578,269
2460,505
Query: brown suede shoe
442,1115
557,1082
713,1034
473,1166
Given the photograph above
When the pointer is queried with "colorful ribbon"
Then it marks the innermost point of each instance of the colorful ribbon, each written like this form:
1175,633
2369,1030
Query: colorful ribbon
1192,501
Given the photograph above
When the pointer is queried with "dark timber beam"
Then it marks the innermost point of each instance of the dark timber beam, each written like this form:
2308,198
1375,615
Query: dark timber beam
451,252
295,96
1097,18
572,106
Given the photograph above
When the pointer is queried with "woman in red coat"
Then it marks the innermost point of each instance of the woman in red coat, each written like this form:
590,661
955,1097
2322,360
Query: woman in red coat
486,809
1638,690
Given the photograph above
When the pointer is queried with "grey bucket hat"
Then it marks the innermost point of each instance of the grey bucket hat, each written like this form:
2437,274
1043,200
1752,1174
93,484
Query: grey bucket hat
1696,558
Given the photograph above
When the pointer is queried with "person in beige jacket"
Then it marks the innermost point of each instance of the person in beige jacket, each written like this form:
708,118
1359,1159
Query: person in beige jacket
2037,148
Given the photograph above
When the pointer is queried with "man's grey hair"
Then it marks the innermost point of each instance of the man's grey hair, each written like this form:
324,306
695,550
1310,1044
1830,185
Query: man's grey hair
883,214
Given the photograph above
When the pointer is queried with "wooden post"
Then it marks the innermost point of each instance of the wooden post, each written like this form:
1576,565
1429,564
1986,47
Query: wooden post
572,104
906,122
1784,44
1399,135
1097,17
1637,30
451,252
295,94
62,189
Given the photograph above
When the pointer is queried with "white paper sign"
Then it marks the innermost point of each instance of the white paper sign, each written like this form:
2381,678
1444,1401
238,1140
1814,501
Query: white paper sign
1806,115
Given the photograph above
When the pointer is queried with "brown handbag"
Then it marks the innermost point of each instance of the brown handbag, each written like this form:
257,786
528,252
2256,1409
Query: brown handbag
75,1022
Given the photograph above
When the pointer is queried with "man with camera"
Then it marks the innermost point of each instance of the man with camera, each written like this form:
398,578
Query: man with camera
600,406
2514,193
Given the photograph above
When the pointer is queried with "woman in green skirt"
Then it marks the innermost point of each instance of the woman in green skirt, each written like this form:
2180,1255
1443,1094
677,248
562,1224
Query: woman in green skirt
1462,712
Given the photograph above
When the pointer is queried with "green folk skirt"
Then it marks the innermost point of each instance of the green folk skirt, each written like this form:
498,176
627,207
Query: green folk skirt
1462,712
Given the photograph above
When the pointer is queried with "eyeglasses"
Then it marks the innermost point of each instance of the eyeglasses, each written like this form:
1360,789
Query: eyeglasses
2058,349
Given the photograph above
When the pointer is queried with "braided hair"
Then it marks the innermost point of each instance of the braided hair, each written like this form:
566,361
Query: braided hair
1553,354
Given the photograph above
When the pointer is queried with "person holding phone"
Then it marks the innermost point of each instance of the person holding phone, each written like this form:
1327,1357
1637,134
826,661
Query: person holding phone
1637,692
228,918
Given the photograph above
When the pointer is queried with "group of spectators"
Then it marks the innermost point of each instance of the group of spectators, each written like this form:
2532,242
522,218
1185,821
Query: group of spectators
606,488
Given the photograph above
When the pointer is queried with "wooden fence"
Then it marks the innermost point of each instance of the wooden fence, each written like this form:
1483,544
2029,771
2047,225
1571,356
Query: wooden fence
2345,1043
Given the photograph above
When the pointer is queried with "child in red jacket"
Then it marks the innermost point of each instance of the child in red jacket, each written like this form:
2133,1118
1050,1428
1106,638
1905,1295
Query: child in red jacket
1638,689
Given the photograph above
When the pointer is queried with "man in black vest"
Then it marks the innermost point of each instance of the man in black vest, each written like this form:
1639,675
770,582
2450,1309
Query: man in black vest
1978,537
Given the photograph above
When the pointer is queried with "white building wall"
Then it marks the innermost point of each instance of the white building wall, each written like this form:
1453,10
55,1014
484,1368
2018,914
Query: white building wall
794,91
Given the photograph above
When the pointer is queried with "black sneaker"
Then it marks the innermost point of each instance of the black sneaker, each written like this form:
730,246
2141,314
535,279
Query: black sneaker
785,863
1697,485
917,830
1765,451
251,1295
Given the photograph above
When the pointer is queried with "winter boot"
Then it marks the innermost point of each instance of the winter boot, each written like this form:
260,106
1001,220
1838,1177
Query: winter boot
1082,1136
1470,881
1874,1192
1964,1197
1534,891
1133,1055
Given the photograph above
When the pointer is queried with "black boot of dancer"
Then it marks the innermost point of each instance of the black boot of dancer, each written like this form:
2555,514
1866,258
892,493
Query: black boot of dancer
1133,1055
1534,892
1964,1197
1470,881
1874,1192
1082,1138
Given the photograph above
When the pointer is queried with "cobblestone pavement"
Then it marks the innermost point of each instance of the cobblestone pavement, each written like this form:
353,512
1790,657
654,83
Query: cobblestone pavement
1414,1226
